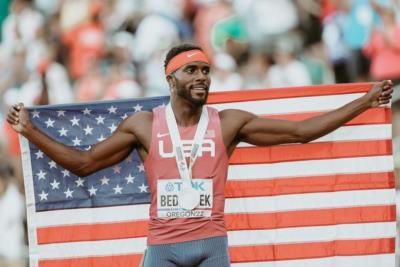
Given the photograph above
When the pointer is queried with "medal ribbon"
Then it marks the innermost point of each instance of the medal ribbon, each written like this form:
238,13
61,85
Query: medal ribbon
185,171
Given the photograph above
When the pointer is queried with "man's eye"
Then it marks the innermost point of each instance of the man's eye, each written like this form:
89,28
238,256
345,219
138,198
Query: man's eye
189,70
206,71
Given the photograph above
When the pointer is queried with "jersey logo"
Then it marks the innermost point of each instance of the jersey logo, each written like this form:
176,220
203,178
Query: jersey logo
208,146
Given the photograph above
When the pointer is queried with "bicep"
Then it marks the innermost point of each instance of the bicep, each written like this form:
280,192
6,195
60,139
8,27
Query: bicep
264,132
113,149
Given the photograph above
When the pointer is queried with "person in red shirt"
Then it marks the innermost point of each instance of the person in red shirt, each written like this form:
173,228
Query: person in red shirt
192,232
85,42
383,46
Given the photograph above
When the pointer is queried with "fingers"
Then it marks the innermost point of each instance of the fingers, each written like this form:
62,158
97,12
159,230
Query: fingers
13,113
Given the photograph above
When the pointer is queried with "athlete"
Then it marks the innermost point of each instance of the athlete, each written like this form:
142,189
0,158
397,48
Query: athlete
185,147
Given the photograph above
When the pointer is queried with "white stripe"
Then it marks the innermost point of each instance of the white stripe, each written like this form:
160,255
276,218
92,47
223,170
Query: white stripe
92,248
353,261
310,168
313,234
303,234
30,201
311,201
291,105
94,215
234,205
353,133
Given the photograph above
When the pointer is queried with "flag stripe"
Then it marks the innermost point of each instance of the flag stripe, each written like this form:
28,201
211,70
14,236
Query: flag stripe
341,199
312,250
328,150
353,261
236,238
104,261
277,253
120,230
310,168
310,201
372,116
291,105
352,133
320,217
236,96
312,184
312,234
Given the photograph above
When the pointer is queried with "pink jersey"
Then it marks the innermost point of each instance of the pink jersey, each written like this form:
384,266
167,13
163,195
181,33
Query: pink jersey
211,167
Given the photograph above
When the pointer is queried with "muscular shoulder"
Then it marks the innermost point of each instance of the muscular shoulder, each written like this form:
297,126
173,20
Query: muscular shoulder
234,117
137,122
232,121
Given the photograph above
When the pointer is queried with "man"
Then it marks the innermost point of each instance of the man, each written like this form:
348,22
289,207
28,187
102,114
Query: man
188,229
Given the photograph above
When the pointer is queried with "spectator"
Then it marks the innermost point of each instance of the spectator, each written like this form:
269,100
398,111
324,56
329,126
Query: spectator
384,46
287,70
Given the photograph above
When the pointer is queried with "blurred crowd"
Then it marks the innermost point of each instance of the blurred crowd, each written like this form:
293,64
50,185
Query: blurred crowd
64,51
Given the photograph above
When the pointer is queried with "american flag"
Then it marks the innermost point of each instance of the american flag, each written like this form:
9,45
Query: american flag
330,202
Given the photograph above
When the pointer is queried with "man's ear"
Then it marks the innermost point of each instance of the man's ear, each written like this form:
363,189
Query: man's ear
171,81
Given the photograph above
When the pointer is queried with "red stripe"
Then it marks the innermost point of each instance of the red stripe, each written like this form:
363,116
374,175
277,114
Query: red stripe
372,116
92,232
277,93
304,218
311,250
75,233
106,261
314,184
310,151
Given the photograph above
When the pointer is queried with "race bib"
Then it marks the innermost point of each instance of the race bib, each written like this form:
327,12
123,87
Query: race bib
168,199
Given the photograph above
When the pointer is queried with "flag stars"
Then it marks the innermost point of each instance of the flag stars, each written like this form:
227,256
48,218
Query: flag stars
141,167
61,113
35,114
39,155
143,188
43,195
49,123
68,193
79,182
100,120
117,189
86,111
55,185
88,130
129,158
104,180
66,173
63,132
112,128
92,191
129,179
52,164
41,175
112,110
137,108
101,138
117,169
77,141
124,116
75,121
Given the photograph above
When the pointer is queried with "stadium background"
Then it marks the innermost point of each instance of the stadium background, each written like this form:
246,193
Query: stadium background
65,51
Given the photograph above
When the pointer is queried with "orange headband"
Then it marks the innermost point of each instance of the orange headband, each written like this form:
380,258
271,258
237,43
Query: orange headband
184,58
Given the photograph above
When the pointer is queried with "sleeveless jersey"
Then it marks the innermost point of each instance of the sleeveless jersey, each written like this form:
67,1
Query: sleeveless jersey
211,166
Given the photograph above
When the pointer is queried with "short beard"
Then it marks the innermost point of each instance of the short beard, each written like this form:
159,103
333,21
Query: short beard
186,94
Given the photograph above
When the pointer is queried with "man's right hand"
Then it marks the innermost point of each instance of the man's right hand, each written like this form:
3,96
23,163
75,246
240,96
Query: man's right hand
18,117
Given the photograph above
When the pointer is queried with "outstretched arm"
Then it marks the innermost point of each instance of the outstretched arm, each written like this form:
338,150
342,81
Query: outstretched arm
263,132
82,163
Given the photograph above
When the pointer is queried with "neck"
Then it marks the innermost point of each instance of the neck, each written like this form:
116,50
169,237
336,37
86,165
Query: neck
186,114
